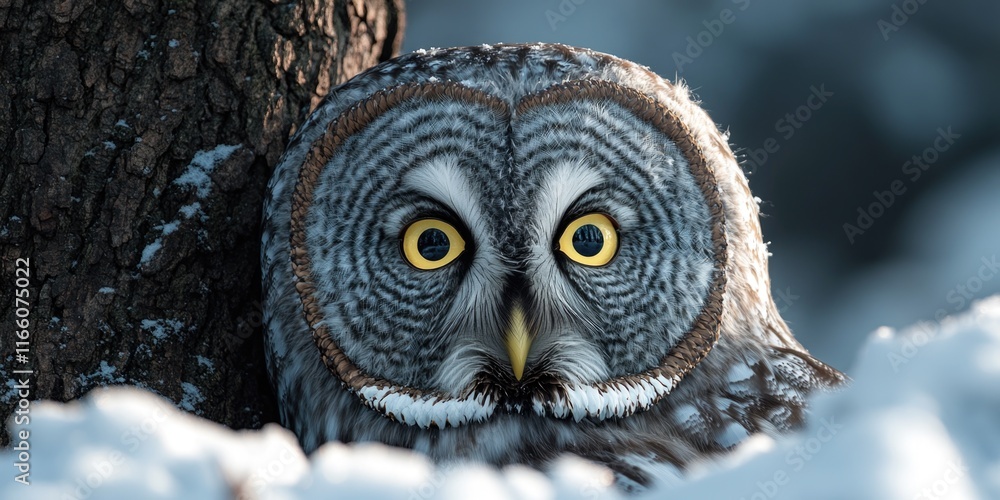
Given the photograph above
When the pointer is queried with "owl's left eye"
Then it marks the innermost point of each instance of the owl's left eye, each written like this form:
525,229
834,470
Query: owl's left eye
431,243
591,240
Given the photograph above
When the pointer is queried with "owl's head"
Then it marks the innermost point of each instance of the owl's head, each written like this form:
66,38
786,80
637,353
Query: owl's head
520,229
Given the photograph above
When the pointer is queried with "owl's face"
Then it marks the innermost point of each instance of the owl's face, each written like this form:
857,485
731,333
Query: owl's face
460,253
506,253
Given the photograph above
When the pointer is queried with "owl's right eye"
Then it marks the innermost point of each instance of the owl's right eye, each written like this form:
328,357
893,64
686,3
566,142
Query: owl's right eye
431,243
591,240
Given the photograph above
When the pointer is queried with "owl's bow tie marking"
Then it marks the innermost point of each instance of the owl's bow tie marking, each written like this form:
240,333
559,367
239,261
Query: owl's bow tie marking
517,339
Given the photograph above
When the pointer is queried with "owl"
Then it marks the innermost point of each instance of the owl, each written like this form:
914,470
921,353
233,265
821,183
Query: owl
508,253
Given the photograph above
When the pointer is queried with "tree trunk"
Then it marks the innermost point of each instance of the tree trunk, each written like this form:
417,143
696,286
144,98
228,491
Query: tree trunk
136,140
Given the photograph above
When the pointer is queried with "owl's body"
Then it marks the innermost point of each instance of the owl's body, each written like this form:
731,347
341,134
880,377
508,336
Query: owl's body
509,253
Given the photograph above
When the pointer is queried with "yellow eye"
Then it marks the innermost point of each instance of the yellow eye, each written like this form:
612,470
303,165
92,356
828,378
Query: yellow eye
591,240
431,243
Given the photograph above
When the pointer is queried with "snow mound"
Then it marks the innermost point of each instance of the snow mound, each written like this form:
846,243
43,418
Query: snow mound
920,421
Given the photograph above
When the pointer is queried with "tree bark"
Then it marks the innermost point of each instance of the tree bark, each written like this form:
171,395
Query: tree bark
136,140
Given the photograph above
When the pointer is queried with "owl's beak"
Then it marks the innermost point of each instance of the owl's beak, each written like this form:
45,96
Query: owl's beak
517,339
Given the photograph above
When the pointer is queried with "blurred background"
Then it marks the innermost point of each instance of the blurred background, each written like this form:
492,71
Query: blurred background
881,193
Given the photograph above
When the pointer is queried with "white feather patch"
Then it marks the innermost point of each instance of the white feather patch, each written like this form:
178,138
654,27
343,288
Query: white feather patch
427,411
443,180
618,400
563,185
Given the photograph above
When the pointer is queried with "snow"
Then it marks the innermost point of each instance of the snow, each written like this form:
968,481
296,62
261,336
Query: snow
11,387
106,290
919,421
104,375
190,210
169,227
196,177
207,363
197,173
160,328
192,396
150,251
926,427
126,443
